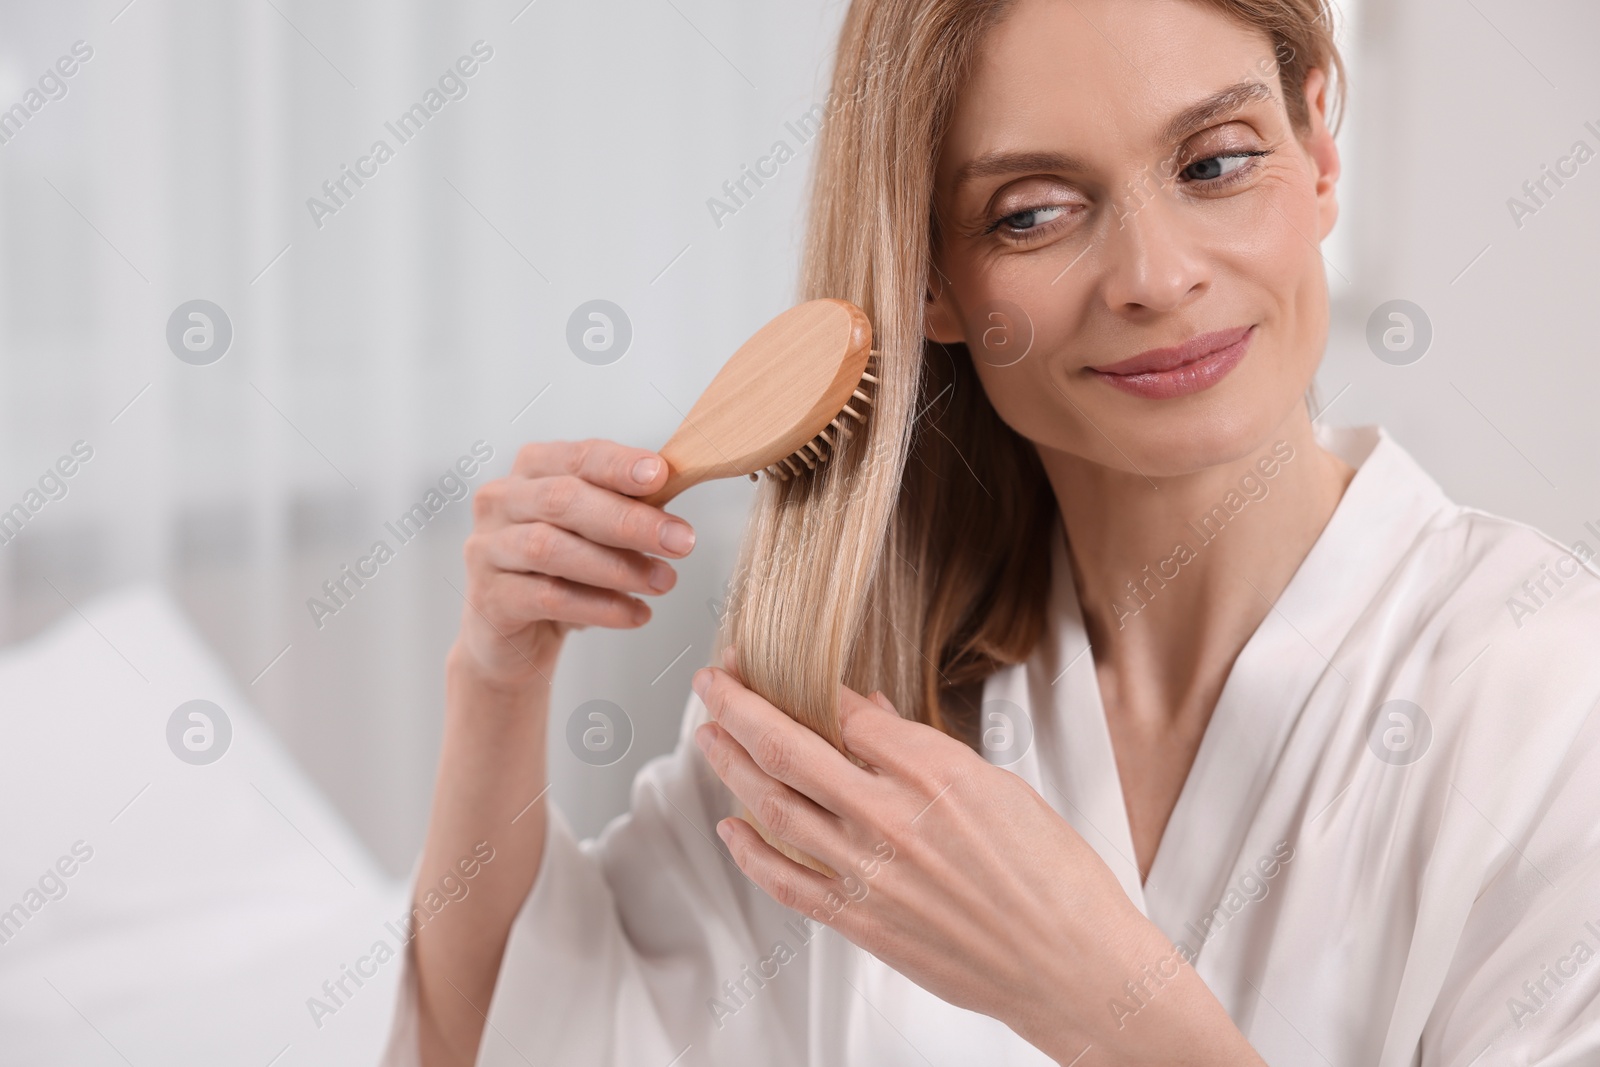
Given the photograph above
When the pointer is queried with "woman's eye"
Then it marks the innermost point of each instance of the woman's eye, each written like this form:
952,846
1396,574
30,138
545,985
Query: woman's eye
1214,167
1033,218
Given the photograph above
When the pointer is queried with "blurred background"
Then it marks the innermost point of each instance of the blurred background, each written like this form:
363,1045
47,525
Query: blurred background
359,337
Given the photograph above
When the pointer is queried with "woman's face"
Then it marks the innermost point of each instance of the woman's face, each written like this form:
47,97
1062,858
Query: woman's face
1121,177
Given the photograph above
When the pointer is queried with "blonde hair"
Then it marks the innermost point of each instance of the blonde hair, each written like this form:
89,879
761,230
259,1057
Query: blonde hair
916,561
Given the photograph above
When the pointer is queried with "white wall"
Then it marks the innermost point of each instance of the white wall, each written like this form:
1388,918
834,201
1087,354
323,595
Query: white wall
1460,105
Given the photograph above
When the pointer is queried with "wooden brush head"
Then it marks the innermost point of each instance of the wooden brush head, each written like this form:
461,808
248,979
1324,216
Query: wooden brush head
771,405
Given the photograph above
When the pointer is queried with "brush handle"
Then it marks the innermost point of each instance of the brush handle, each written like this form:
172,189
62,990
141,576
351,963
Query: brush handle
783,388
684,468
677,481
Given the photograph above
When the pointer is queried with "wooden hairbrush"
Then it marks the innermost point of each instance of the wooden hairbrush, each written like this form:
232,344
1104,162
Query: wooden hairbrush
781,402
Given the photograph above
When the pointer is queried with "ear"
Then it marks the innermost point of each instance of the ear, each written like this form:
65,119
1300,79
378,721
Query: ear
1324,153
941,316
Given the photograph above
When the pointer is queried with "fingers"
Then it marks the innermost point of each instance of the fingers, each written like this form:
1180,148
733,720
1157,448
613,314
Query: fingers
781,747
559,544
595,513
870,727
786,814
620,468
791,884
513,599
873,731
543,548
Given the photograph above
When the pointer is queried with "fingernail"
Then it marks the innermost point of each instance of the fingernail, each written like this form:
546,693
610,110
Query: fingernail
702,679
729,658
724,831
660,576
646,469
702,737
677,537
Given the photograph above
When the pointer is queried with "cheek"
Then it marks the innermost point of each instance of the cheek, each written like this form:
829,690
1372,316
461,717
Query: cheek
1284,262
1268,259
1014,320
1273,243
1029,399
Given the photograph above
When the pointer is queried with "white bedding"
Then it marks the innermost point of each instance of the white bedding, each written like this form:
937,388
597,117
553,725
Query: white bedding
213,906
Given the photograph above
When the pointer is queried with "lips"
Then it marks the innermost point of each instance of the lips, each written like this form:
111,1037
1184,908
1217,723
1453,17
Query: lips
1164,373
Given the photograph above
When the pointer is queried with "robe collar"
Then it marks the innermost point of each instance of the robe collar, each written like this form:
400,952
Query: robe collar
1056,695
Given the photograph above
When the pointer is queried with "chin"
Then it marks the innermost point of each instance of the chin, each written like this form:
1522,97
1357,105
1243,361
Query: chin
1174,443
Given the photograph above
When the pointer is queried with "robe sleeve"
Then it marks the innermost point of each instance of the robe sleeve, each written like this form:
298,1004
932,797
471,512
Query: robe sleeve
1523,985
645,946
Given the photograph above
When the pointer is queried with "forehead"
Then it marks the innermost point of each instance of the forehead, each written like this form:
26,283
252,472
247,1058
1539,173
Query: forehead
1071,74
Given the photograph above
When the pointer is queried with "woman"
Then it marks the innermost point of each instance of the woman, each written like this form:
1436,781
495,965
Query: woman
1218,741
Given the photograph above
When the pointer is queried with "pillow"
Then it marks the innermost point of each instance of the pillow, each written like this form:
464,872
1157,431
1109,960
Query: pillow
173,891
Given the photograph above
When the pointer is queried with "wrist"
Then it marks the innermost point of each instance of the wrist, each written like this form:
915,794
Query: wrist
1134,998
492,759
488,698
513,680
1176,1021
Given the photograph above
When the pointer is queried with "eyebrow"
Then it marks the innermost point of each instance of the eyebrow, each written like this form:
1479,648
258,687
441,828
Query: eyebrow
1208,111
1192,118
997,163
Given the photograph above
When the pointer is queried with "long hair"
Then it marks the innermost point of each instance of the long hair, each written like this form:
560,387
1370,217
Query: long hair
916,561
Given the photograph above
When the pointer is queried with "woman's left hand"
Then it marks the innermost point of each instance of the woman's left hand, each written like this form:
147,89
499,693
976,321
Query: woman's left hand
957,874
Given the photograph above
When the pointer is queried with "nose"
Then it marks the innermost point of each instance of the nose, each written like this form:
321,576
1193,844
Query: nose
1154,257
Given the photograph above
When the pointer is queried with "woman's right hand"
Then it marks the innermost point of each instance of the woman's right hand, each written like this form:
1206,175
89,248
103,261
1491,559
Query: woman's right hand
560,543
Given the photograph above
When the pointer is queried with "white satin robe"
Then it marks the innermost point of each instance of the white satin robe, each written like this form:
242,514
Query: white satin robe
1351,902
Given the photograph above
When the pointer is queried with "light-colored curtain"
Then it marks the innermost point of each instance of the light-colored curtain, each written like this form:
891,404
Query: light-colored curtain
373,346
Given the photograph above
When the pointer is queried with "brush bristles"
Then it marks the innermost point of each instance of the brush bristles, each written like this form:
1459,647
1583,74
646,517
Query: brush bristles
821,447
